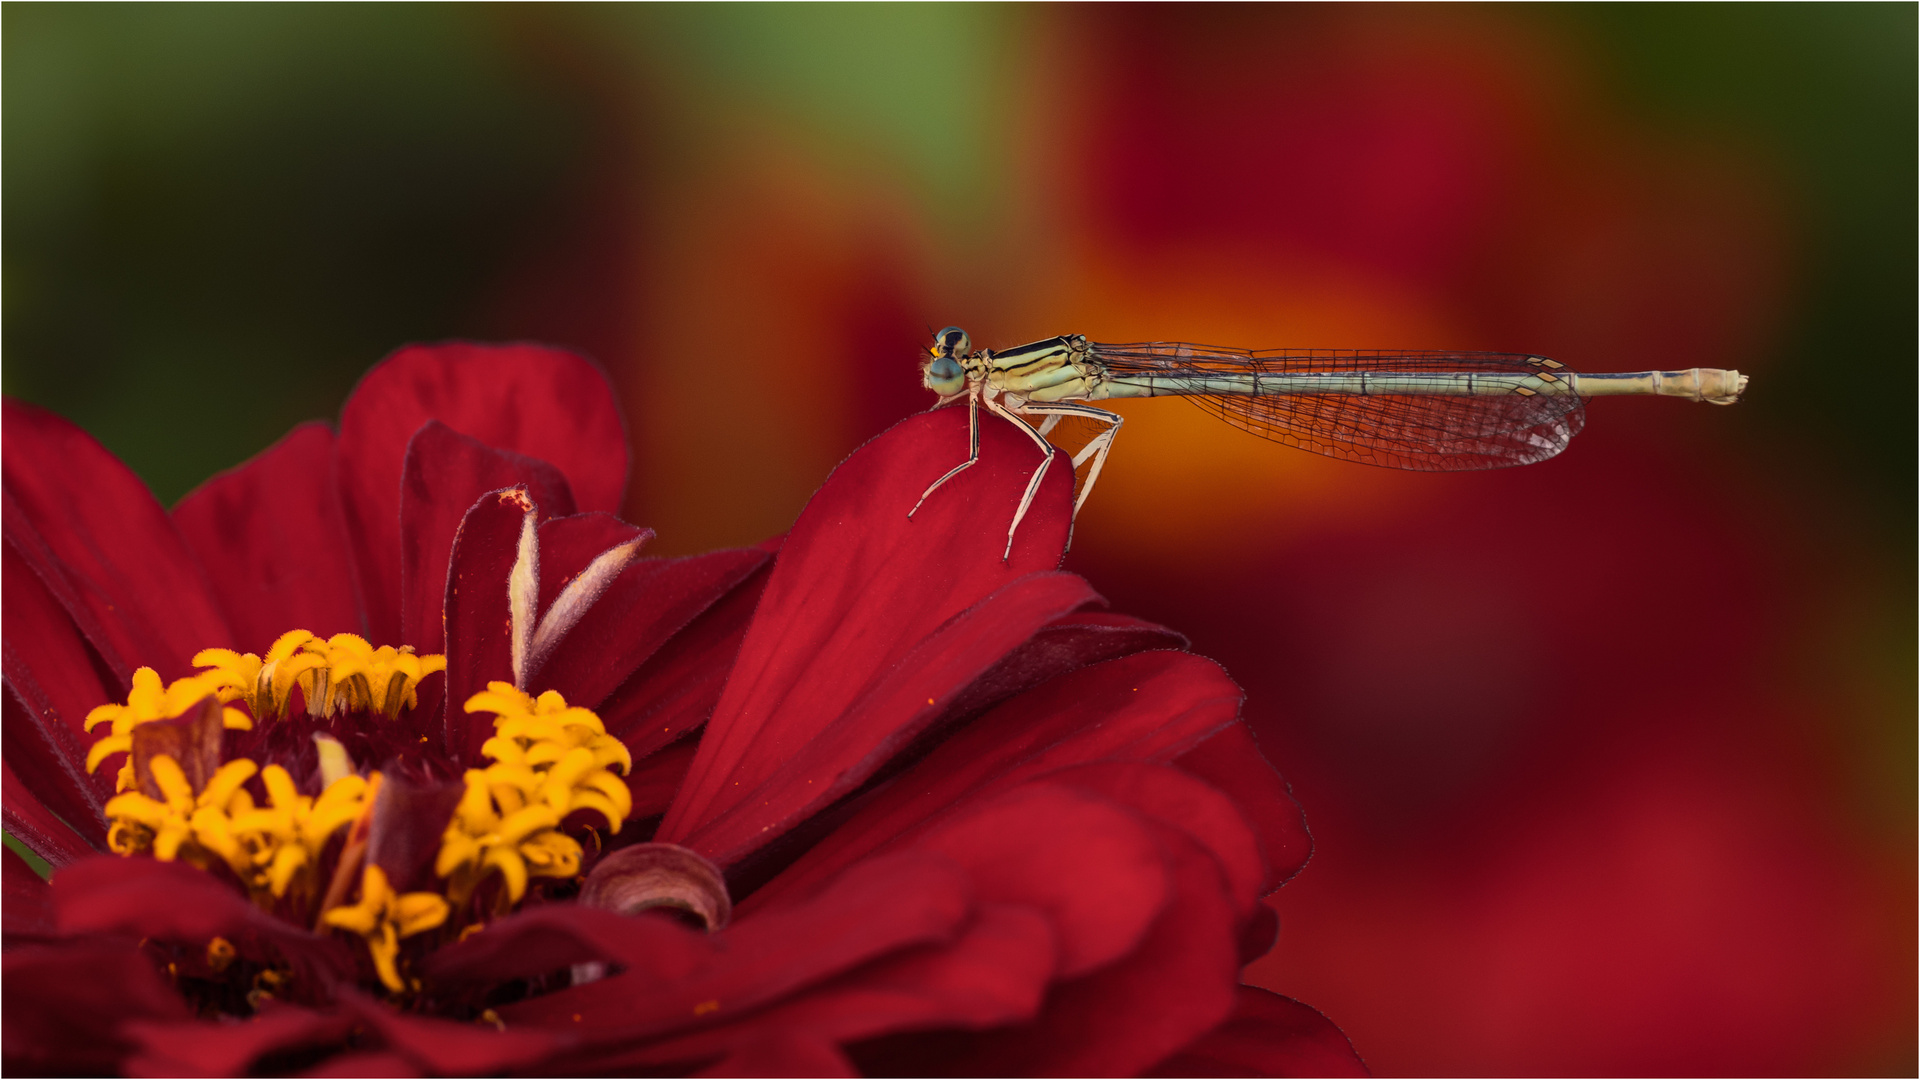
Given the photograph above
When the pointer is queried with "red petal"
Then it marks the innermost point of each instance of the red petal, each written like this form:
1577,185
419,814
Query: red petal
1268,1035
656,778
857,585
146,898
674,691
52,683
1174,986
546,939
652,601
843,753
996,973
879,907
539,402
446,473
446,1048
1145,707
784,1053
28,912
1179,801
202,1049
55,674
1065,644
478,615
375,1063
272,534
1088,864
33,824
1232,762
64,1005
105,549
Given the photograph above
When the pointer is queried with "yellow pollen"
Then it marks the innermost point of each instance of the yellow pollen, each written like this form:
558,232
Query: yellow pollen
549,759
148,701
220,953
343,673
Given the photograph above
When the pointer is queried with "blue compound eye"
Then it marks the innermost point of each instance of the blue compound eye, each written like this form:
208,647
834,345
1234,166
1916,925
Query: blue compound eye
945,376
952,341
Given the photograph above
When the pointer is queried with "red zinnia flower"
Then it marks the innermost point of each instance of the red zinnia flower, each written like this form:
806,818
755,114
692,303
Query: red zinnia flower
445,747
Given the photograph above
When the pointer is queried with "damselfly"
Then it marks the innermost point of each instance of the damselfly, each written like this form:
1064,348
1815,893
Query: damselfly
1436,411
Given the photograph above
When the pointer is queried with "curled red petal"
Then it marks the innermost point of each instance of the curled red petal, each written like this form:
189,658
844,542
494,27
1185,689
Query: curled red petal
1267,1035
879,907
446,473
643,876
1066,644
879,723
1149,706
1231,761
1173,986
479,623
65,1005
857,585
33,824
532,401
273,538
105,549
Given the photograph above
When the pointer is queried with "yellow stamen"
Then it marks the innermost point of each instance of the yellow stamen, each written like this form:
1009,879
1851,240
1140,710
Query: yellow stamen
383,918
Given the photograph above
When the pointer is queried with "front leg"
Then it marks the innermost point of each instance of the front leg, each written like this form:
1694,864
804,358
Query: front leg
973,450
1033,483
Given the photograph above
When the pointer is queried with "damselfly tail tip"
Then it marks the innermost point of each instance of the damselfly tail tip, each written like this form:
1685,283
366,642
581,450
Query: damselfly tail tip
1726,396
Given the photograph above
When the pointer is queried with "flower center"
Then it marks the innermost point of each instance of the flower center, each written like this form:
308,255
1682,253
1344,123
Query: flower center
282,809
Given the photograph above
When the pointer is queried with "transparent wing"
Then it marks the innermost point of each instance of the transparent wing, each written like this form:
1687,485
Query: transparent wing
1431,433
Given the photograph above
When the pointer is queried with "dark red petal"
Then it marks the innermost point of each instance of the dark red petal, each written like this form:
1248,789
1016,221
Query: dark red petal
1145,707
1065,644
105,549
273,539
649,603
1179,801
446,1048
857,585
57,784
540,940
1175,985
837,757
28,911
33,824
212,1049
1267,1035
656,778
1232,762
996,972
675,690
375,1063
479,620
783,1052
1086,863
146,898
64,1005
58,679
446,472
878,907
538,402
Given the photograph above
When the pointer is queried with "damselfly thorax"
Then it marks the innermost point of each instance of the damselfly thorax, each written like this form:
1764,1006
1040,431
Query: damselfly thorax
1431,411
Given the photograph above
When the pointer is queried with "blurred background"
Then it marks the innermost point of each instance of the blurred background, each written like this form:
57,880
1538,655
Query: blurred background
1610,760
